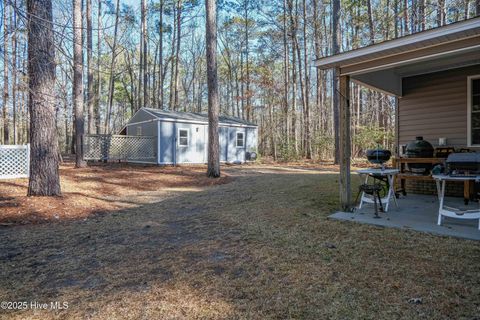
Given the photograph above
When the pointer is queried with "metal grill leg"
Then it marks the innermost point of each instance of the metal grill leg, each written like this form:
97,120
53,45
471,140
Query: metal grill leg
375,205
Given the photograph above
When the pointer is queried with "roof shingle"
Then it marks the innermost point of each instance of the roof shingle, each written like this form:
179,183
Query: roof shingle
195,116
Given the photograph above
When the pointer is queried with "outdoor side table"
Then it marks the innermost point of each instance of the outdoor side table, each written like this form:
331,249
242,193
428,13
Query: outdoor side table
444,211
390,174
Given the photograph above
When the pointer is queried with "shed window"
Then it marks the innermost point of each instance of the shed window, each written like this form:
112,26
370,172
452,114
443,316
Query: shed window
139,131
183,137
240,140
474,109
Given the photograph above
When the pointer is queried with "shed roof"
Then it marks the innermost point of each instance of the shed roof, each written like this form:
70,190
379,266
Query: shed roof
196,117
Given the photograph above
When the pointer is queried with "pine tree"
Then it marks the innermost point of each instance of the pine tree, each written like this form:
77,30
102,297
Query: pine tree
44,153
213,170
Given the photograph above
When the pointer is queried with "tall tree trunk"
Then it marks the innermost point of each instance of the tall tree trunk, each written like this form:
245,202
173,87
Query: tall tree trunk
286,74
77,89
466,12
318,53
440,13
335,50
177,56
90,93
247,60
213,170
145,55
414,17
308,147
142,74
296,46
293,30
171,104
387,21
395,14
111,80
140,64
6,131
44,153
160,59
154,96
242,82
370,22
14,72
421,14
98,91
405,16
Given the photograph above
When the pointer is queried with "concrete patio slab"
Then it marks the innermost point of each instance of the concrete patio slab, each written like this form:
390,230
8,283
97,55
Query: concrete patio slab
420,213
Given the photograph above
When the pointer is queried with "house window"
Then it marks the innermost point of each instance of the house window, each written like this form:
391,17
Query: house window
240,140
139,131
474,109
183,137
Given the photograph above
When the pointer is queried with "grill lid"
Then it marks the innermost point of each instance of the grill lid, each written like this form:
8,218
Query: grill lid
470,157
419,148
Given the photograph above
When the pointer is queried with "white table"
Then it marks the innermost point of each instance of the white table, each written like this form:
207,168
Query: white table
390,174
444,211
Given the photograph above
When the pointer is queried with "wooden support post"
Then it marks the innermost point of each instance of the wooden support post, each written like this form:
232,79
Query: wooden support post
397,148
397,128
345,141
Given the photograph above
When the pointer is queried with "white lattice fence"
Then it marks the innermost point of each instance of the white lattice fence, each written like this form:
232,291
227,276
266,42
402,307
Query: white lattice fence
14,161
119,147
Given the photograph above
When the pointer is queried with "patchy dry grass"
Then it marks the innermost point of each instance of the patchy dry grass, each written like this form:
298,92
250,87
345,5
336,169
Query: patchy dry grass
96,189
258,247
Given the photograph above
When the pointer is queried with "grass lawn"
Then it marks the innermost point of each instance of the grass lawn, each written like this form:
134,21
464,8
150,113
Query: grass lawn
259,246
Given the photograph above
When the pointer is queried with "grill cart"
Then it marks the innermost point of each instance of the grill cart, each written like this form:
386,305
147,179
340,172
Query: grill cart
382,189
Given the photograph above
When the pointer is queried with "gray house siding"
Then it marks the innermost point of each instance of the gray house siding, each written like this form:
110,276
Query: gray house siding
434,106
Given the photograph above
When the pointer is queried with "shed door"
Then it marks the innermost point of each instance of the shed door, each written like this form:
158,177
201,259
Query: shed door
190,146
198,143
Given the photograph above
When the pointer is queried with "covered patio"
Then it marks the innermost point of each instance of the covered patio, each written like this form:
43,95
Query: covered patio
419,213
432,75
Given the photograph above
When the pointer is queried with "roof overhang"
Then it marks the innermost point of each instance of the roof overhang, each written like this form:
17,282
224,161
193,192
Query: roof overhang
180,120
382,66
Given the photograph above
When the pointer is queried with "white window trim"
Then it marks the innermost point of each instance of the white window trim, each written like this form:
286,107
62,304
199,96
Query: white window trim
243,139
469,110
139,131
178,138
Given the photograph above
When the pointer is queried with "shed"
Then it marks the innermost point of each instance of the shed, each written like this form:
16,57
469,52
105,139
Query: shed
182,137
435,77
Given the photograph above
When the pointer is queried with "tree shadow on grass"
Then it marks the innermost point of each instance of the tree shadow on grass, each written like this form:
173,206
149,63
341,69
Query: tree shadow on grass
189,239
254,248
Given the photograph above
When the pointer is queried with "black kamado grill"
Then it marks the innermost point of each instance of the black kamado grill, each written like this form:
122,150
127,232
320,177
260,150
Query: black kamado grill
419,148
